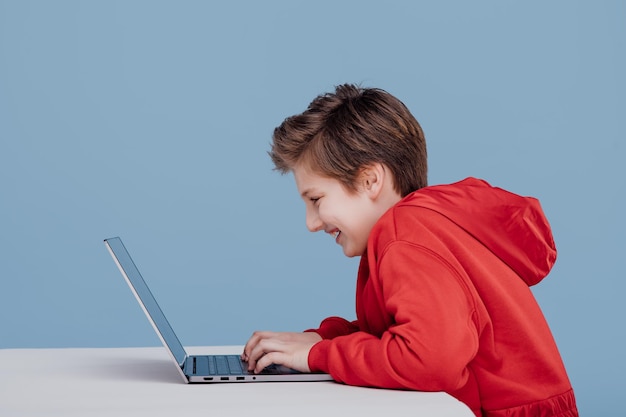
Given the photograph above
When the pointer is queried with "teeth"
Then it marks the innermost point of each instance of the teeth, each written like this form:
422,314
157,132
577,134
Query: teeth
335,234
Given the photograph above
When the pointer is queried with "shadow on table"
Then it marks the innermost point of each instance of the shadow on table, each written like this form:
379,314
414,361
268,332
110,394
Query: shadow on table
140,369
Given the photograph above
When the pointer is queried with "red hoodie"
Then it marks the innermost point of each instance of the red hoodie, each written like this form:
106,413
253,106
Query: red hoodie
443,304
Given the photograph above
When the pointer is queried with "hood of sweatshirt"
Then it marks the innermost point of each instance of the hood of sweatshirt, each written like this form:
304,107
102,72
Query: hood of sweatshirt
512,227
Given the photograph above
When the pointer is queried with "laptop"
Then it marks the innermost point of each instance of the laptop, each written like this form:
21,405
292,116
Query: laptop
195,368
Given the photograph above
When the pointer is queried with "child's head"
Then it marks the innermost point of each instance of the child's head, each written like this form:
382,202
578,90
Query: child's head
342,132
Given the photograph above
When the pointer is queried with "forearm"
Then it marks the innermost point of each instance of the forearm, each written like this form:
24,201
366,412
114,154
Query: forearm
391,362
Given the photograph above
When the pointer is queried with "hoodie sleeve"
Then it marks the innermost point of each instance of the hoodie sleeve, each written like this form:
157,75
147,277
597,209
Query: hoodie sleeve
431,336
335,326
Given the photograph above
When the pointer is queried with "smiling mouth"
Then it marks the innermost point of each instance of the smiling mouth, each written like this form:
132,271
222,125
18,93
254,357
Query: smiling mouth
336,234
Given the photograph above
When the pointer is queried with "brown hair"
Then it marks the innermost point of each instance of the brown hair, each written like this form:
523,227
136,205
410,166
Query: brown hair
342,132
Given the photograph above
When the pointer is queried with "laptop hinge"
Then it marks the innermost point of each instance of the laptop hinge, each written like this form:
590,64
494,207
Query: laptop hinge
189,365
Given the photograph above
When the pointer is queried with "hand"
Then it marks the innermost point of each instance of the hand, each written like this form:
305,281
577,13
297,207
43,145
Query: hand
281,348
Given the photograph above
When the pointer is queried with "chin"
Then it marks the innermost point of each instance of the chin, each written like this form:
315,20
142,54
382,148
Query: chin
351,253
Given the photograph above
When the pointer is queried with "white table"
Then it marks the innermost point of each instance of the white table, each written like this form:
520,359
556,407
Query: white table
144,382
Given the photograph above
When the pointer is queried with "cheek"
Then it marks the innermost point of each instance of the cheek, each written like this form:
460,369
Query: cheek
361,228
356,232
327,212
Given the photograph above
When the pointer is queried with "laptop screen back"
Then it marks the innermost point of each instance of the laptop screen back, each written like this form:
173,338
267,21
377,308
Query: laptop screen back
146,299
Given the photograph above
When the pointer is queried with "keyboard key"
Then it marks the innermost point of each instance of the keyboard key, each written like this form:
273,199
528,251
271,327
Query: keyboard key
212,366
222,365
234,364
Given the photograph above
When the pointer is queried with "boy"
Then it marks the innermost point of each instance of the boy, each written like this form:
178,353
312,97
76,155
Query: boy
443,300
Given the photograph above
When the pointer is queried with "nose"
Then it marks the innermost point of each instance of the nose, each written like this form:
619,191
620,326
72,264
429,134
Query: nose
313,221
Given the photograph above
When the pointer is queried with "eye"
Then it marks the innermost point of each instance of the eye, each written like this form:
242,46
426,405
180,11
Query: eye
314,200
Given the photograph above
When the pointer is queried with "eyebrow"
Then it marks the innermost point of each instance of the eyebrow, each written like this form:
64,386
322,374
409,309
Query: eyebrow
306,193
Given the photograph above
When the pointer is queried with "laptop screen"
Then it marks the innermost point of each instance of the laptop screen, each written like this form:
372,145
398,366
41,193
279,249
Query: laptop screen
146,299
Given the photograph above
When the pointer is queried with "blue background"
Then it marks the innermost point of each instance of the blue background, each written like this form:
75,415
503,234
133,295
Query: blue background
151,120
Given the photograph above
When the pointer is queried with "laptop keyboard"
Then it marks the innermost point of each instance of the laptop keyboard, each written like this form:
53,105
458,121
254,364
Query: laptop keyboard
224,365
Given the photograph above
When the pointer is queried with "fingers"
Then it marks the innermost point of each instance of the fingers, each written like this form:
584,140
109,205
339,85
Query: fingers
265,350
265,361
254,348
253,342
282,348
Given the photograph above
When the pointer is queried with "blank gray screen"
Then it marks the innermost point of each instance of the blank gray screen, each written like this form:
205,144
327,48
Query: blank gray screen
135,280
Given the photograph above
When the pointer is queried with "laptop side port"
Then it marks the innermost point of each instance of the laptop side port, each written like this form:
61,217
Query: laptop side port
208,378
224,378
241,378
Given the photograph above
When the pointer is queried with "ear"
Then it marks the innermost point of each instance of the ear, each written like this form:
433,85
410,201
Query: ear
372,179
